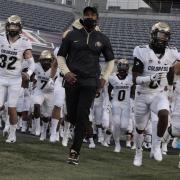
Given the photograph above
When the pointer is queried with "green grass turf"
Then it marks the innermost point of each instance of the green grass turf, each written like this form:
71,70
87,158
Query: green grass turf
30,159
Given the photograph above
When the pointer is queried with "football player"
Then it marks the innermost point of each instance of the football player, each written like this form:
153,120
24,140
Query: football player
43,93
59,103
14,48
121,83
152,64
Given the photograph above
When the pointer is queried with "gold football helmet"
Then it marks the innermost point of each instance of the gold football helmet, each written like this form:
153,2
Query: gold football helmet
13,25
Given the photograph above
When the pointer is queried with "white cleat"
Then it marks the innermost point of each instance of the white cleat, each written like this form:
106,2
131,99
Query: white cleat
164,148
11,138
38,131
105,144
43,136
52,138
157,154
128,144
133,147
65,141
117,148
100,139
138,158
92,145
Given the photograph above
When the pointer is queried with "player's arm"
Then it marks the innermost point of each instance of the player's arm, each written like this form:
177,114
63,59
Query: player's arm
54,67
137,71
31,65
110,88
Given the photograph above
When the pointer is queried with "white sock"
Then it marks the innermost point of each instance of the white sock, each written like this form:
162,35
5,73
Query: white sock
13,129
45,126
66,127
54,124
139,140
37,120
156,140
91,140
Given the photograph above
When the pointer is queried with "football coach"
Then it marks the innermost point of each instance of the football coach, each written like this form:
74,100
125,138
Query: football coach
78,59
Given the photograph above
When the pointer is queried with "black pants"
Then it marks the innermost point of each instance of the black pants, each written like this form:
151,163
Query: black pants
79,100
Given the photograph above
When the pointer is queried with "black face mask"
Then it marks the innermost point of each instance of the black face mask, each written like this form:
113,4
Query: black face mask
89,23
13,33
158,47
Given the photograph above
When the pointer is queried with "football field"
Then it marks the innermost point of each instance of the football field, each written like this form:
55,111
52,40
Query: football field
30,159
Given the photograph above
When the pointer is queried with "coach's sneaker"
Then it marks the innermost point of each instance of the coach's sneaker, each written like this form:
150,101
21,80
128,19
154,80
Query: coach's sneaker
73,158
157,154
138,158
117,147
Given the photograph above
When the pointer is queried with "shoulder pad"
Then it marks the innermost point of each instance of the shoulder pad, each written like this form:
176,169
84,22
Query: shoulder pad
171,47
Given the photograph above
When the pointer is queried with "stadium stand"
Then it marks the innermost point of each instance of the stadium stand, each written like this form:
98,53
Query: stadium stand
37,17
126,33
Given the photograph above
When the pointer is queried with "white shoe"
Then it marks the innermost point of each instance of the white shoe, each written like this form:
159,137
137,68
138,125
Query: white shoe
164,148
92,145
43,136
24,126
179,164
100,139
52,138
105,144
11,138
133,147
117,148
65,141
157,154
138,158
128,144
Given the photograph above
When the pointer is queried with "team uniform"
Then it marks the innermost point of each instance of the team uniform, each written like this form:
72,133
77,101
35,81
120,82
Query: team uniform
11,58
43,93
120,106
151,96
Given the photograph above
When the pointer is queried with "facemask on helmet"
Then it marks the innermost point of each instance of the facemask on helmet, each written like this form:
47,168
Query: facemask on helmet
13,26
160,36
122,68
46,59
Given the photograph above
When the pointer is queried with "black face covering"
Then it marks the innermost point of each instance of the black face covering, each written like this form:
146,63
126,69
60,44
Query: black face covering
13,33
89,23
45,65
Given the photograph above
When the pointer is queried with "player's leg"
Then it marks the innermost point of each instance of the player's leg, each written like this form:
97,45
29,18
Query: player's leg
160,106
58,101
38,99
141,119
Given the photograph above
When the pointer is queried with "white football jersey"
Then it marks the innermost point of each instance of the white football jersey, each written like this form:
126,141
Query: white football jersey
121,89
42,78
11,55
152,65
